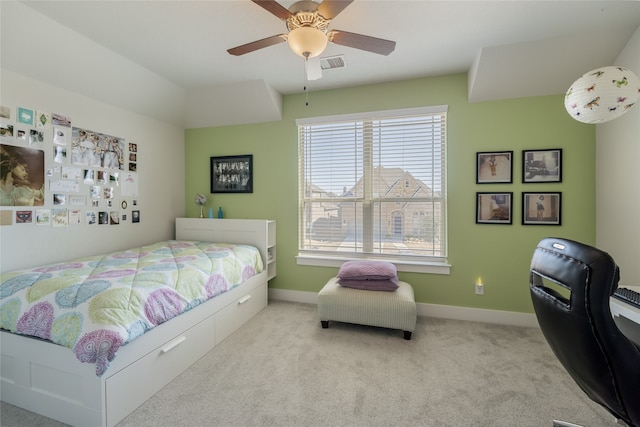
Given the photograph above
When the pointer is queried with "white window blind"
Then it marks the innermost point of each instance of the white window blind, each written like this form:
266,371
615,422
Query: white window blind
373,185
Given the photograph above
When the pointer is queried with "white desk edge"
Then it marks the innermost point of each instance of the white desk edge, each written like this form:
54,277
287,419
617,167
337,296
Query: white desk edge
628,311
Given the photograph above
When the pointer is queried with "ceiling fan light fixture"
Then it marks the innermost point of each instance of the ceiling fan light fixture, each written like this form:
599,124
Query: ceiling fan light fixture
307,42
602,94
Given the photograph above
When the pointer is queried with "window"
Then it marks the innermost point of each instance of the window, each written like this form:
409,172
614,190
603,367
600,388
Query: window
373,186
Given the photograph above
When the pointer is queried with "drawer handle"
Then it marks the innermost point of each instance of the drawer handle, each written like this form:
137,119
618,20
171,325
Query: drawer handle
167,348
244,299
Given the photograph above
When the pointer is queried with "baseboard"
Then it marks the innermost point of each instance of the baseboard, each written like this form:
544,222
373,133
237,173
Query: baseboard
511,318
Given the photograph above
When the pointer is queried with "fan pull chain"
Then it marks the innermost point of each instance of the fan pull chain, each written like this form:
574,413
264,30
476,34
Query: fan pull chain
306,80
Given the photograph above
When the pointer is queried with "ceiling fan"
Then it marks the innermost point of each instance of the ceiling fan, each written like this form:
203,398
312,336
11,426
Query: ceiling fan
308,36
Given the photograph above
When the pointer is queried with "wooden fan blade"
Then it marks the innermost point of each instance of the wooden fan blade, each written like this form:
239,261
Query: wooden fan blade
329,9
274,8
362,42
258,44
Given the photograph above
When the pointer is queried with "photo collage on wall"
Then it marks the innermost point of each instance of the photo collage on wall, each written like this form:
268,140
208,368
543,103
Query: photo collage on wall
53,173
539,166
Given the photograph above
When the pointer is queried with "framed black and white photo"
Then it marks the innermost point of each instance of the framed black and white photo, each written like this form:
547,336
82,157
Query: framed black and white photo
542,165
232,174
494,167
542,208
494,208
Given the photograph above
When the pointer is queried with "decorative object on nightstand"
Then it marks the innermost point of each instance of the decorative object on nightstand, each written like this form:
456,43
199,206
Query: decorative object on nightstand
201,200
602,94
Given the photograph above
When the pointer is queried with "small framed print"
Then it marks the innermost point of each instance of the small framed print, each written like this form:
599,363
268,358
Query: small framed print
42,119
494,208
5,112
494,167
232,174
6,130
60,120
542,165
25,116
541,208
24,217
43,217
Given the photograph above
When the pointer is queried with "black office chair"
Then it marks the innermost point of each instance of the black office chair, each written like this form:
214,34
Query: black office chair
570,286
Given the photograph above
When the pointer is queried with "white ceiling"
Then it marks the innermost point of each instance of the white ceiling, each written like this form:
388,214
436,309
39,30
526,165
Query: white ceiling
148,53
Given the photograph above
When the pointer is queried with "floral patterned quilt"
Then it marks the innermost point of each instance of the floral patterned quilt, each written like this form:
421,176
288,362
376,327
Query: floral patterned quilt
97,304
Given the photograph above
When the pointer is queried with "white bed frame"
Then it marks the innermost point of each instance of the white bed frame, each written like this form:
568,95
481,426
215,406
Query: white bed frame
48,379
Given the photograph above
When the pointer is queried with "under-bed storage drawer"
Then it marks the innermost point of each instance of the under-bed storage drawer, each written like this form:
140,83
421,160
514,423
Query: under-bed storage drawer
133,385
237,313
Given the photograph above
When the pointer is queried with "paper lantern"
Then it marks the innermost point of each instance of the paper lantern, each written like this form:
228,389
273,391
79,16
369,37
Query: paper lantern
602,94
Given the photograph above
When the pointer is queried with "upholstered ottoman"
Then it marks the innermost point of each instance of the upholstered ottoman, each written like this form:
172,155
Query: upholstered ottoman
394,310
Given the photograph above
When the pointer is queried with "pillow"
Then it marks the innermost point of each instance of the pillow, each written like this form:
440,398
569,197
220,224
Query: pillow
368,275
368,270
389,285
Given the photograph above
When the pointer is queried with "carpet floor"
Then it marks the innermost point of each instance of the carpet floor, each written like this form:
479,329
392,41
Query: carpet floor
283,369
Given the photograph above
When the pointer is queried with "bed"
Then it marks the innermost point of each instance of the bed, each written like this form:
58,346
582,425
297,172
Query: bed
49,379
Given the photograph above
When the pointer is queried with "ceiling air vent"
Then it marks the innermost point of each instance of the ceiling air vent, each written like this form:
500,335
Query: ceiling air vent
331,62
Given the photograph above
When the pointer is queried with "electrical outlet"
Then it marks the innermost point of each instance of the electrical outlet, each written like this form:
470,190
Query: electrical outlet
479,288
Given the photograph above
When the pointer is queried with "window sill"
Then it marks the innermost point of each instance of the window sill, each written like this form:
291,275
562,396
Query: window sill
402,266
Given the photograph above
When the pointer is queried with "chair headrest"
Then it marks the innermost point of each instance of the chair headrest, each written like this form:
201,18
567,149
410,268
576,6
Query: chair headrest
575,266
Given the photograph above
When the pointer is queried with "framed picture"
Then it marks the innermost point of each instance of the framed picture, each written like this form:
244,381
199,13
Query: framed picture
494,208
232,174
542,165
541,208
25,116
494,167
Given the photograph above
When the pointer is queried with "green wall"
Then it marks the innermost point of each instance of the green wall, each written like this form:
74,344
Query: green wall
500,254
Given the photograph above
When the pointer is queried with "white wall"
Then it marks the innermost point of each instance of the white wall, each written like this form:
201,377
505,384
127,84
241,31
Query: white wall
160,167
618,180
47,66
36,46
